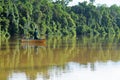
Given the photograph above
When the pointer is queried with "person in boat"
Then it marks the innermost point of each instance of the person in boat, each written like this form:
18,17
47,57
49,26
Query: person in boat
36,34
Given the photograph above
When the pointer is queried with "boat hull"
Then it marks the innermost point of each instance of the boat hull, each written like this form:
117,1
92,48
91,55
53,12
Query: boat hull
33,41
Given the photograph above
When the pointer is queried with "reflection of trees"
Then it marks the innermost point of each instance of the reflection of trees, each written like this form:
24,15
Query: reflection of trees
58,52
91,50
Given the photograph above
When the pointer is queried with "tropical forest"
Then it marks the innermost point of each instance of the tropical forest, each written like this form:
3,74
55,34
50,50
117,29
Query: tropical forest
55,17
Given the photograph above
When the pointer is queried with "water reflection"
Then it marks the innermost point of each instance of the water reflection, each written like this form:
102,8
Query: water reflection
73,71
61,58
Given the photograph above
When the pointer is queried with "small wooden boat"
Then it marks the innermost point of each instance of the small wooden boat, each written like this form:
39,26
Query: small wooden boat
33,40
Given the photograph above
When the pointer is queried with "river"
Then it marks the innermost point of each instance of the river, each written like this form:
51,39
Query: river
61,58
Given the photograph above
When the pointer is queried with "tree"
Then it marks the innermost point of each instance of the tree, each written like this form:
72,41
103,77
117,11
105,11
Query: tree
92,1
63,2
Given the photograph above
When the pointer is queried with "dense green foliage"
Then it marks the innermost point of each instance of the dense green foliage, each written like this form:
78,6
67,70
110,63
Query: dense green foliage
100,20
55,17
